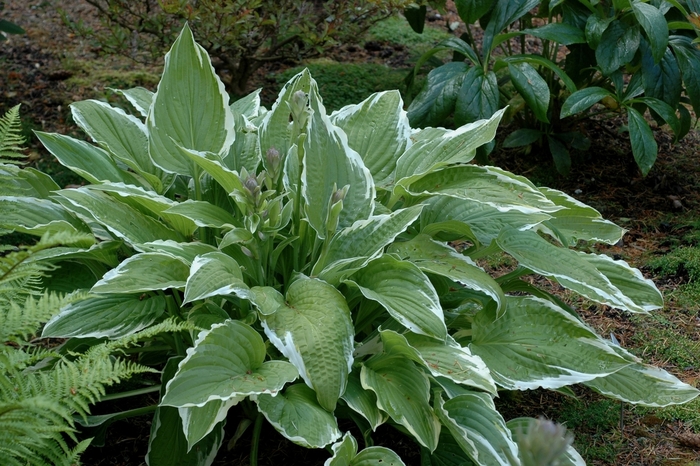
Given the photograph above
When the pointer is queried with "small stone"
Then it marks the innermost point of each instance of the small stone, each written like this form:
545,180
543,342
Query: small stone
578,191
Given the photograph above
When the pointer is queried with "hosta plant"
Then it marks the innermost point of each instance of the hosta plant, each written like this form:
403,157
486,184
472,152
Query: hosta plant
633,56
315,254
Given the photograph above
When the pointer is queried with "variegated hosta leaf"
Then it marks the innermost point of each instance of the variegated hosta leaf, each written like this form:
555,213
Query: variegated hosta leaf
110,316
296,414
248,106
345,454
227,361
642,384
204,214
141,198
403,391
378,129
578,221
522,425
141,98
37,216
329,164
147,271
441,259
441,359
86,160
597,277
245,150
124,136
314,330
537,344
199,421
213,165
111,213
437,147
405,292
168,443
363,402
25,181
351,248
483,220
276,130
478,428
488,185
189,109
104,252
214,274
186,252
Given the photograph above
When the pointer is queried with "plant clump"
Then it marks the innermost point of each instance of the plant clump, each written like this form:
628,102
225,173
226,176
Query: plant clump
307,257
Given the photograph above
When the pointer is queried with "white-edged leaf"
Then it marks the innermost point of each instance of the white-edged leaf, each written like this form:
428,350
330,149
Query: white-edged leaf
123,135
645,385
488,185
213,165
345,454
189,109
203,214
537,344
248,106
378,129
484,220
84,159
354,246
329,164
296,414
314,330
157,204
104,251
168,443
594,276
198,422
227,361
121,220
214,274
437,147
441,359
403,391
108,316
441,259
140,97
186,252
405,292
363,402
37,216
143,272
478,428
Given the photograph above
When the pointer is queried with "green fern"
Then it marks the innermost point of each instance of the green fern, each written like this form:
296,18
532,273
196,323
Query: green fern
40,389
11,139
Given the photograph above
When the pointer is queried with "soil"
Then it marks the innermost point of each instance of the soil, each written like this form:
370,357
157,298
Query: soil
42,71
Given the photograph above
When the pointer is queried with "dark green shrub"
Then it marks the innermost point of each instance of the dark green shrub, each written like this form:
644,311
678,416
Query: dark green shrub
631,56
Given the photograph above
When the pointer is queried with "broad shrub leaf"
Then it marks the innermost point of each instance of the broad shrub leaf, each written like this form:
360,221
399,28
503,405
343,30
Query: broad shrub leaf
532,87
437,99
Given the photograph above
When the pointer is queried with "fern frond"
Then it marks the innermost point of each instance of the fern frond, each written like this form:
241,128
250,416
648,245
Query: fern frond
11,139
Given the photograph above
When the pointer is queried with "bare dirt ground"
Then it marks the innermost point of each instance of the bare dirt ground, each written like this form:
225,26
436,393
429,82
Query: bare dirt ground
42,70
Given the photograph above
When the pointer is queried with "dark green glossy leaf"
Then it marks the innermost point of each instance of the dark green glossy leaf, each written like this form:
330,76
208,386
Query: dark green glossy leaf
560,154
665,111
504,12
654,25
644,147
617,47
415,15
437,99
688,57
583,100
478,96
472,10
522,137
562,33
661,80
532,88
